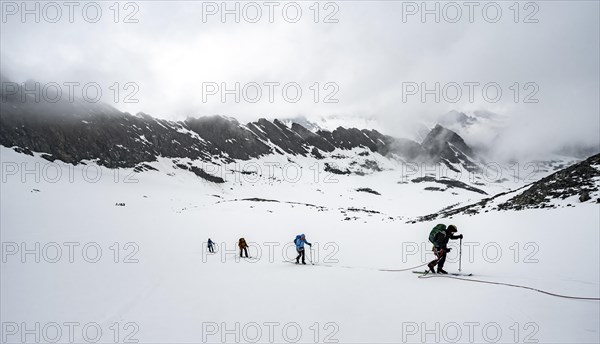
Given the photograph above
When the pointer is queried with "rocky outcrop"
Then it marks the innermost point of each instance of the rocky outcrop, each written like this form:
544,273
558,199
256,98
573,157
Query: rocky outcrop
576,180
583,177
449,183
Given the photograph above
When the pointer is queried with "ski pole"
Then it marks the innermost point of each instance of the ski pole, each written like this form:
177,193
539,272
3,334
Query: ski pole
460,255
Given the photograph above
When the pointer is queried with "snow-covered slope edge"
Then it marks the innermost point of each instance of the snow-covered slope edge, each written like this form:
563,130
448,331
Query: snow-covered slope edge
166,284
572,185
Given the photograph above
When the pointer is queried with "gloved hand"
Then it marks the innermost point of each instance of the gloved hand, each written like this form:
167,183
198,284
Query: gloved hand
460,236
309,244
448,249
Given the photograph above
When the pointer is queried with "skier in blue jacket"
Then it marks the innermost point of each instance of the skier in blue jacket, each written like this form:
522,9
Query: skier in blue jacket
300,241
210,246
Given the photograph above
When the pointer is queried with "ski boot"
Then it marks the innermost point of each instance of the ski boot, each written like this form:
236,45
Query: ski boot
442,271
431,270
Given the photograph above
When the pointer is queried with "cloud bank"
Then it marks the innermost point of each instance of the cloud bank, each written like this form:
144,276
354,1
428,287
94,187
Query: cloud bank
379,60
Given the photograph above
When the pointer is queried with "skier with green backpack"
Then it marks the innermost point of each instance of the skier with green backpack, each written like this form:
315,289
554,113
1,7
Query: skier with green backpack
439,237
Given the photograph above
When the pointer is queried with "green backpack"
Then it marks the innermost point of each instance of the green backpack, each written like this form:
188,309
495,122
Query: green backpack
435,231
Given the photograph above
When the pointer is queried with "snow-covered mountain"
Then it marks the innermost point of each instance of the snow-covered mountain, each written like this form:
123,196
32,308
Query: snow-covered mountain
74,132
79,132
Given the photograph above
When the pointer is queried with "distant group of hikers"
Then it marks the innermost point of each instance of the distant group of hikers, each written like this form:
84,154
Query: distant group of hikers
299,241
241,244
439,236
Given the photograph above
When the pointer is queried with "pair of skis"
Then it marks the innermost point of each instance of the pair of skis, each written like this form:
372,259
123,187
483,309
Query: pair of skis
294,262
427,272
309,260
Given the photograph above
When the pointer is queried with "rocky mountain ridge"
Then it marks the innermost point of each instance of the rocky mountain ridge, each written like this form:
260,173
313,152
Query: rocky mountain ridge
75,131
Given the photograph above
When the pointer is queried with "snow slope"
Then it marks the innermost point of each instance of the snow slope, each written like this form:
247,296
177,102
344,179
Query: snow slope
164,287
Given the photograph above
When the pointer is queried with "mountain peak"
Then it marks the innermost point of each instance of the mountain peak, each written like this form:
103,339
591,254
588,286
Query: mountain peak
448,145
440,136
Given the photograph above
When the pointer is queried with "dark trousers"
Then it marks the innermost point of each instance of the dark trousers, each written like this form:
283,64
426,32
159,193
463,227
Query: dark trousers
300,254
441,258
210,249
245,250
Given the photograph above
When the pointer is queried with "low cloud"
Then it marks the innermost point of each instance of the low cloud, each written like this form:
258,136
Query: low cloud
362,66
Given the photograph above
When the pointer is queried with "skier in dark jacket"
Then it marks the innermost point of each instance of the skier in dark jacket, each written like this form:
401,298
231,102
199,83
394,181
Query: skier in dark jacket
439,236
300,241
210,246
243,247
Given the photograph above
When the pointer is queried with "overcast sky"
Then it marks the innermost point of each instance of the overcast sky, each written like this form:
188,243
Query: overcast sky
373,57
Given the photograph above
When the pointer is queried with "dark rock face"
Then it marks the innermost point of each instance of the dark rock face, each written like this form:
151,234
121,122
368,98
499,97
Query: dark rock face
584,196
335,170
368,190
351,138
413,151
144,167
202,174
313,139
447,145
278,134
115,139
450,183
75,131
227,137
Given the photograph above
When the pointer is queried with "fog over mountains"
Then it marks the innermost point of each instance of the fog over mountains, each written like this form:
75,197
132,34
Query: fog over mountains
77,130
73,131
